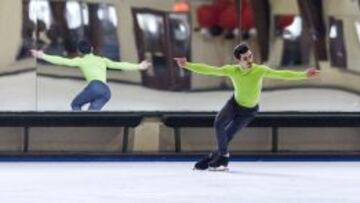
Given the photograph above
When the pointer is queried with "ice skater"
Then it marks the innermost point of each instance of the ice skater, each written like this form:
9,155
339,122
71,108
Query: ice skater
242,107
93,68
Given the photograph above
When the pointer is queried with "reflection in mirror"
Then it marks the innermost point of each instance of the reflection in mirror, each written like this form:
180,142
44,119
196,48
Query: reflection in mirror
357,28
296,41
181,43
158,36
64,25
161,36
153,44
17,69
337,45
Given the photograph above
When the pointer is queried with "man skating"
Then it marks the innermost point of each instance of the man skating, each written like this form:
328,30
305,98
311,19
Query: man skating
242,107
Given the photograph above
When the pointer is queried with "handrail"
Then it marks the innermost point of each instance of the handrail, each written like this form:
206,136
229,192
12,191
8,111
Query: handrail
174,119
69,119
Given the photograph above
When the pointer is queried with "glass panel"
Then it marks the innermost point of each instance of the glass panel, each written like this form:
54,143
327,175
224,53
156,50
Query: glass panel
337,45
108,20
152,42
152,28
180,37
295,40
357,28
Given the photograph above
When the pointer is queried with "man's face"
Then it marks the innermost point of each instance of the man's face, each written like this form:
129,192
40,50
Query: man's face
246,59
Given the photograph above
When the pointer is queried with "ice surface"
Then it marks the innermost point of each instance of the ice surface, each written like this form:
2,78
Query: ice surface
175,182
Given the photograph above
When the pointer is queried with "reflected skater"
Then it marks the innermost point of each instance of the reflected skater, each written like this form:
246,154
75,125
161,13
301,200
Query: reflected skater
93,68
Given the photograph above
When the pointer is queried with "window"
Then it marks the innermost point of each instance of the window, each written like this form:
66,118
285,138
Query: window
61,24
357,29
337,44
39,10
296,42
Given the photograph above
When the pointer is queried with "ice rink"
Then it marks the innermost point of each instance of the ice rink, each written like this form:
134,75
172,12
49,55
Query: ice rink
176,182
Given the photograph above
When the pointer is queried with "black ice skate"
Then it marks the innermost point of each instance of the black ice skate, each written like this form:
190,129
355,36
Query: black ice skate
219,163
203,163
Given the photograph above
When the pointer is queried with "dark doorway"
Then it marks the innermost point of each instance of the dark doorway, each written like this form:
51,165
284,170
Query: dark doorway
161,36
291,30
337,44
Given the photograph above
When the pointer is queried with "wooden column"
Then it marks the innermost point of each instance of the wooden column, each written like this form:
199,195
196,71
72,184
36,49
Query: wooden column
58,11
25,19
312,15
261,10
95,30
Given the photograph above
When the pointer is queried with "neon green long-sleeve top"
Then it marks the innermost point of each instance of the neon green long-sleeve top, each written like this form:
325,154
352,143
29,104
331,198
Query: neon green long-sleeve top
247,82
92,67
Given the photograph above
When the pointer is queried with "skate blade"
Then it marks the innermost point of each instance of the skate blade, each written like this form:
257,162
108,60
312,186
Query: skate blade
198,169
221,168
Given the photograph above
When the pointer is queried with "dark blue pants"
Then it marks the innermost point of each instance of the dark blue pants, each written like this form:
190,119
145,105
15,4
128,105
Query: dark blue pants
97,93
230,120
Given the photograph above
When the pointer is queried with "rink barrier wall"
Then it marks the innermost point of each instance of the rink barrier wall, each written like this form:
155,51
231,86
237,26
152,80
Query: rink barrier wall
69,119
272,120
173,120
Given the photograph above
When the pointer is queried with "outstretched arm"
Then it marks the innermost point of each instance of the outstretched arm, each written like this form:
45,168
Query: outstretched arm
291,75
127,66
201,68
58,60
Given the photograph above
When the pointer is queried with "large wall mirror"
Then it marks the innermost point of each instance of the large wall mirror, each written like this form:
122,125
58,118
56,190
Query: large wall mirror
134,30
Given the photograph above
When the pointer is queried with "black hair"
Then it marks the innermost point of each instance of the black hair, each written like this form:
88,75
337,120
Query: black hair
84,47
240,49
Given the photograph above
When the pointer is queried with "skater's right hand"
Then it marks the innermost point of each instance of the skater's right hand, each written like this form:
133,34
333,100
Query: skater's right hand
312,72
181,62
37,53
144,65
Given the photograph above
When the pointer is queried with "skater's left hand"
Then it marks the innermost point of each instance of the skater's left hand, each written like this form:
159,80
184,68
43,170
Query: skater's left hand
312,72
181,61
144,65
37,53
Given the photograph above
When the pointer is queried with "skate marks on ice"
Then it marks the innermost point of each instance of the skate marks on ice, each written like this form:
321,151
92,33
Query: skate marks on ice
240,172
301,170
175,182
